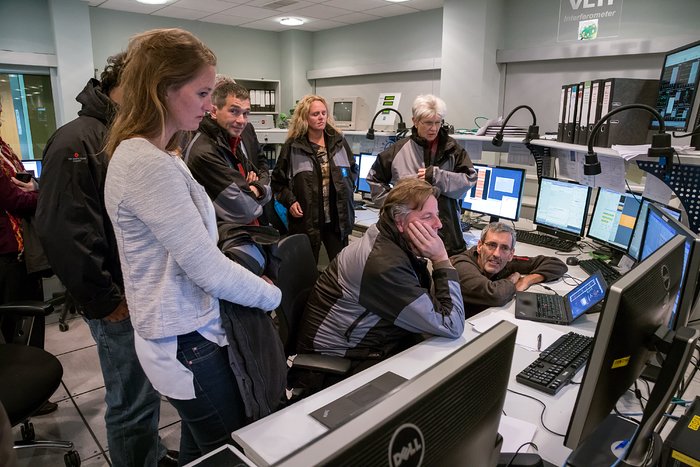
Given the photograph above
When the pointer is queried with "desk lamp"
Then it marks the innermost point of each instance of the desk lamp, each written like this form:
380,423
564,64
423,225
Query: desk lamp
401,130
533,131
660,142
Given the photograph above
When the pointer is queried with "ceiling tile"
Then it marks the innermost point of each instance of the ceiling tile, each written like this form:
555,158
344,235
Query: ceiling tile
182,13
320,25
246,11
391,10
356,5
266,25
296,5
212,6
426,4
321,11
130,5
353,18
221,18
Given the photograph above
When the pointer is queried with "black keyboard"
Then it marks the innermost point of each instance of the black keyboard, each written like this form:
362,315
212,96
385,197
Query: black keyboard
554,243
557,364
550,307
591,266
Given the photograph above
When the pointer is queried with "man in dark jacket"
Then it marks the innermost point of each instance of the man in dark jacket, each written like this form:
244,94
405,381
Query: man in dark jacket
432,155
79,242
225,158
490,273
377,297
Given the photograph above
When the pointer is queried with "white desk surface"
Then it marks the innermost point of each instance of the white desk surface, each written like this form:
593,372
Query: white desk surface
274,437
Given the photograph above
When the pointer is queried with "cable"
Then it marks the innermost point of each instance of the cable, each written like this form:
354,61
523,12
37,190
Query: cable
634,195
476,123
510,462
544,407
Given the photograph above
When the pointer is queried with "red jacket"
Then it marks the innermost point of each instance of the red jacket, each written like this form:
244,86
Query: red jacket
13,201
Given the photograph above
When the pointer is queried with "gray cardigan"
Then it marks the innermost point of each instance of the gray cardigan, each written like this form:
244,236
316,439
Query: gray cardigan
166,232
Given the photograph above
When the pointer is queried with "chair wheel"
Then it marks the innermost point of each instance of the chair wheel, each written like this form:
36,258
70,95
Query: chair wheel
63,327
27,430
72,459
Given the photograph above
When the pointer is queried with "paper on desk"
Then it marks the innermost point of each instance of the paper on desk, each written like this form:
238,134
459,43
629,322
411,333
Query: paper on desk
657,190
515,433
527,330
629,151
612,173
518,153
491,122
474,149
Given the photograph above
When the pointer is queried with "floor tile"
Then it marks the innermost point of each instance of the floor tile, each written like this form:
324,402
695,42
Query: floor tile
92,406
81,370
76,337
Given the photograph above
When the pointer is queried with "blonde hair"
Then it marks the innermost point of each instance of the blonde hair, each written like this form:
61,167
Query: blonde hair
156,61
428,105
299,125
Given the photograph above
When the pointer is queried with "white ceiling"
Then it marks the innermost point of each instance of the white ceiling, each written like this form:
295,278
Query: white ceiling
265,14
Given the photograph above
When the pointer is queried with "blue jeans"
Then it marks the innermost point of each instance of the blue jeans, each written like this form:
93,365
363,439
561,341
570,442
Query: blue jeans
133,406
217,411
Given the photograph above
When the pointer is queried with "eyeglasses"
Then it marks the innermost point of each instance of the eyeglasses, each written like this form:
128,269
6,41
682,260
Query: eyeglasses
428,123
237,112
491,246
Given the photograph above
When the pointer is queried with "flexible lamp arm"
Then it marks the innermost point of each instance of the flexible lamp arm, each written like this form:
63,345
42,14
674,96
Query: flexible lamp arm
402,125
604,118
532,131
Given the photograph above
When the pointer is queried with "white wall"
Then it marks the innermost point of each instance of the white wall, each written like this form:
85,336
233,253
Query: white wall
25,27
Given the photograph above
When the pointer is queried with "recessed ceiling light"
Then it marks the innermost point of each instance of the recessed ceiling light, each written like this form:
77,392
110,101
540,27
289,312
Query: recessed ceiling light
153,2
292,21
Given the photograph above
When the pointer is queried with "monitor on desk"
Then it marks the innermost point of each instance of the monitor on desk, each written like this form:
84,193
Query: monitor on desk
562,207
33,166
636,241
498,192
447,415
637,308
366,162
614,217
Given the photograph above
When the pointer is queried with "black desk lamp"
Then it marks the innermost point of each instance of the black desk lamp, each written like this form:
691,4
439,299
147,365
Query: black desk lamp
660,142
533,131
401,128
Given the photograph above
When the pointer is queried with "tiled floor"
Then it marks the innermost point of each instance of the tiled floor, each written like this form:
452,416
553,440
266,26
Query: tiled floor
81,407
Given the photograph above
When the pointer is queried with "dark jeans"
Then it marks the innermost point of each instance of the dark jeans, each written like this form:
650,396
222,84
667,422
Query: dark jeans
217,411
330,237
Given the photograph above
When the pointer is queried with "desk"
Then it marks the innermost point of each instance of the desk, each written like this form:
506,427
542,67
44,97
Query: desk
274,437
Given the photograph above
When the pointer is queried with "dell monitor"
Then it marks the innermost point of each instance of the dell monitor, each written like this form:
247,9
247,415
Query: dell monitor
613,220
678,86
498,192
33,166
634,249
562,208
447,415
631,327
366,162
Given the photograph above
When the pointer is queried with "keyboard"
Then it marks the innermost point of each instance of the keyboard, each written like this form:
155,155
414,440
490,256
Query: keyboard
591,266
554,243
557,364
550,307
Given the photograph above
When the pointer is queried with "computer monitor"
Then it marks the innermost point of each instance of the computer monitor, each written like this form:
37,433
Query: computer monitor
498,192
678,86
636,310
366,162
659,229
614,217
349,113
33,166
635,247
447,415
562,207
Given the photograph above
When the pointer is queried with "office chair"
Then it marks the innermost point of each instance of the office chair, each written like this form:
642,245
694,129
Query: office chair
28,377
297,276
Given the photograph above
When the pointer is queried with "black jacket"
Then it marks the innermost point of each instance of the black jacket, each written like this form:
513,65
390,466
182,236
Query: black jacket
297,177
71,220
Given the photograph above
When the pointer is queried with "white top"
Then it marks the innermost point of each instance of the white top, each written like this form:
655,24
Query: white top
174,274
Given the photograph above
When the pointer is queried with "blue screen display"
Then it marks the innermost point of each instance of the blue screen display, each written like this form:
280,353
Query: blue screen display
636,242
587,294
498,192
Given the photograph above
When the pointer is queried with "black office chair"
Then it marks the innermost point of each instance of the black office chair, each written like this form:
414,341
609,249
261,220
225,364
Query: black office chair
297,276
28,377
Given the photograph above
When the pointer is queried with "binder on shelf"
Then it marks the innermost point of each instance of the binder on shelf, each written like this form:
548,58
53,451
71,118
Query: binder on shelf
632,126
596,108
562,113
582,131
569,129
579,111
273,101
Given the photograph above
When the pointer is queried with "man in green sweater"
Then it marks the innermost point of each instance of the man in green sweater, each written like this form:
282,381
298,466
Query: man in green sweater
490,273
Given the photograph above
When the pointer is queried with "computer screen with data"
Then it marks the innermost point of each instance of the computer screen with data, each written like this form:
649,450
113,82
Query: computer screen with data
678,87
33,166
585,295
562,206
636,242
498,192
366,162
614,217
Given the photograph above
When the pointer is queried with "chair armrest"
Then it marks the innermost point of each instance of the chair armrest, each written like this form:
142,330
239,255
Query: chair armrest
323,363
26,308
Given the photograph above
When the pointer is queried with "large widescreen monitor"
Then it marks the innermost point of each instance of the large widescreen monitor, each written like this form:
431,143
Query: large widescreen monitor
637,308
366,162
562,207
636,241
678,87
614,217
447,415
498,192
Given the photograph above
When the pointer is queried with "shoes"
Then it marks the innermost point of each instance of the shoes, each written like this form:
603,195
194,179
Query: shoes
47,408
170,459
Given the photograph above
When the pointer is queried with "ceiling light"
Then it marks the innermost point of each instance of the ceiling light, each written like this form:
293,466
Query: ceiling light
292,21
153,2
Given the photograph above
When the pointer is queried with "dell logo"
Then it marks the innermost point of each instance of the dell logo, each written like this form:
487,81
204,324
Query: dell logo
576,4
666,277
407,446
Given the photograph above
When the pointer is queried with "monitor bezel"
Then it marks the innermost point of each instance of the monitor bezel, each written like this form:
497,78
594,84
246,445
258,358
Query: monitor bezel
557,230
607,243
520,195
369,189
641,226
654,124
344,124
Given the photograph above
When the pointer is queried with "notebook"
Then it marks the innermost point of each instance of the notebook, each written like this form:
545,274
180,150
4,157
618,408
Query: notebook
556,309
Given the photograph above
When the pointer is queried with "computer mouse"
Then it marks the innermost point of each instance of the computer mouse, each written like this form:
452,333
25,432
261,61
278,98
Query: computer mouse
572,261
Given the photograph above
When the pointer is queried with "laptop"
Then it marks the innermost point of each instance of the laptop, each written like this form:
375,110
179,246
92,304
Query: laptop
555,309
